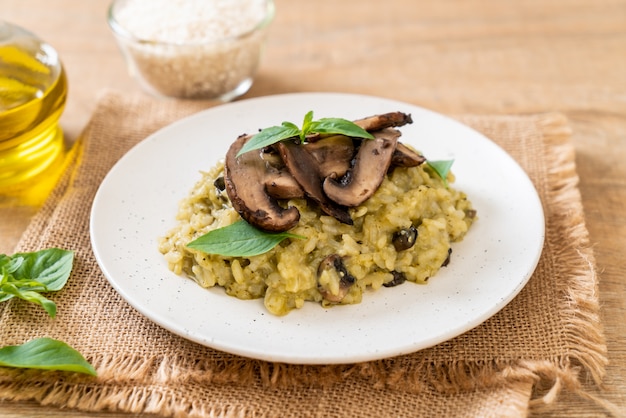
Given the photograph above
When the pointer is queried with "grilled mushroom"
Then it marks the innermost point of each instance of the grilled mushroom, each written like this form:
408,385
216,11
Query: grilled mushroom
305,170
325,170
371,164
404,156
333,155
386,120
219,184
333,279
398,278
404,238
280,184
447,260
245,177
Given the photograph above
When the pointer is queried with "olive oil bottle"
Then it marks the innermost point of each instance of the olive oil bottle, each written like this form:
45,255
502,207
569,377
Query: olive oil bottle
33,91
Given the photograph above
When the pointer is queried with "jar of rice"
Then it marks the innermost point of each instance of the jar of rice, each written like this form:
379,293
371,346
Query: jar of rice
192,49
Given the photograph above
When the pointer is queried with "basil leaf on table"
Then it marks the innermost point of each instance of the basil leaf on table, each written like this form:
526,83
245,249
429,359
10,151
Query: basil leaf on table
239,239
25,275
51,267
8,290
45,354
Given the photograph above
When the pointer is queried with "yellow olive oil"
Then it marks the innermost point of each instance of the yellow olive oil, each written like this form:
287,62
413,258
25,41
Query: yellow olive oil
33,91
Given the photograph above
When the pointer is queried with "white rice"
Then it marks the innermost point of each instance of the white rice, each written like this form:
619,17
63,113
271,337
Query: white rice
195,49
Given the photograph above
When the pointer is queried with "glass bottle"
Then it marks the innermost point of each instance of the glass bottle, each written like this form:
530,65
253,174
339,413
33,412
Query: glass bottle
33,91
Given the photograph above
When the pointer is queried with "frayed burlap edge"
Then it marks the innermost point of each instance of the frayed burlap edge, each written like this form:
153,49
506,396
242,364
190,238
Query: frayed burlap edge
586,353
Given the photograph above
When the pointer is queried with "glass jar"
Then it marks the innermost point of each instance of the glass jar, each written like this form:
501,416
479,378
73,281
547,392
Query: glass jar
207,50
33,91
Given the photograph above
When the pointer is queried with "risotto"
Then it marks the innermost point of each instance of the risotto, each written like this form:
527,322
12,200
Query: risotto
403,232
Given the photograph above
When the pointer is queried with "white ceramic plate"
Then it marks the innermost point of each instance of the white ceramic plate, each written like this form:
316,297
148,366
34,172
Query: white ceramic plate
138,199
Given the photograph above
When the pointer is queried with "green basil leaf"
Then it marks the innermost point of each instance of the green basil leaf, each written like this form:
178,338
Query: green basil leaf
29,295
4,270
306,124
51,267
45,354
291,125
269,136
27,284
12,264
239,239
24,275
340,126
4,260
274,134
4,296
441,168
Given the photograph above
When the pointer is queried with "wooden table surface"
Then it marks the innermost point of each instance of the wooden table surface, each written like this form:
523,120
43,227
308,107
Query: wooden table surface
453,56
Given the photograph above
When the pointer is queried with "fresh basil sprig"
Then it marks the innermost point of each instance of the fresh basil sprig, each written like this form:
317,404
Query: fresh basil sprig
274,134
239,239
45,354
441,168
25,275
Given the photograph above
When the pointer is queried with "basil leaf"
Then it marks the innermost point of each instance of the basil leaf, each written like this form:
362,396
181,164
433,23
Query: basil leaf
45,354
274,134
24,275
29,295
307,123
4,261
441,168
51,267
269,136
340,126
239,239
12,264
291,125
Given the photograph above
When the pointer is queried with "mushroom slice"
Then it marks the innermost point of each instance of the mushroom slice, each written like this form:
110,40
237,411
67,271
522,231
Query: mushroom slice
304,169
447,260
404,238
333,155
280,184
333,279
404,156
398,279
271,157
370,167
385,120
245,178
219,184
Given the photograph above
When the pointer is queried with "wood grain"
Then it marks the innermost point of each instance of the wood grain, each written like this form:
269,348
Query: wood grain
454,56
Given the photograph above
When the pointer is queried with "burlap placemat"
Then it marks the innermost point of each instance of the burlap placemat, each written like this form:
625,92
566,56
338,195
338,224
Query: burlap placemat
547,338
